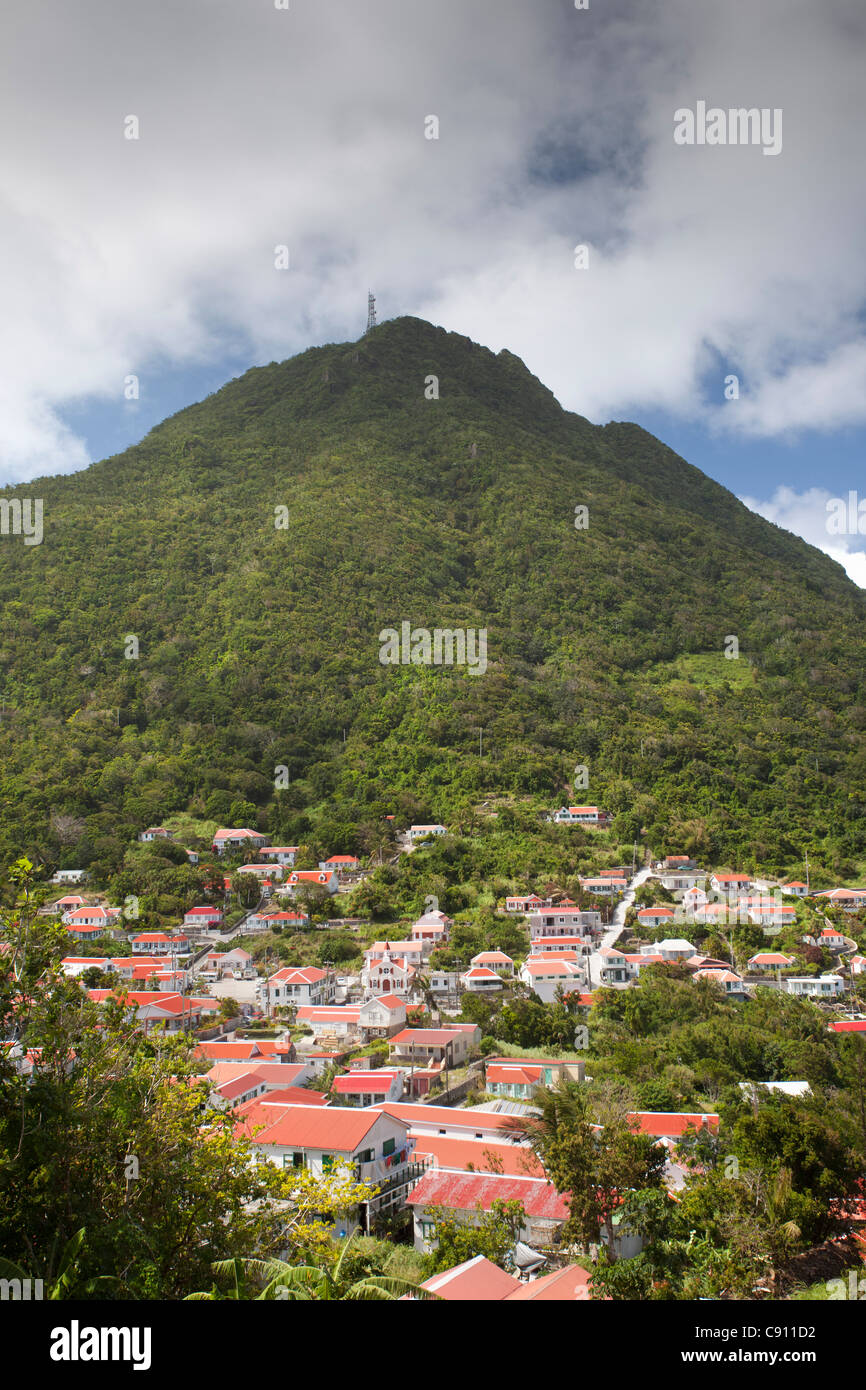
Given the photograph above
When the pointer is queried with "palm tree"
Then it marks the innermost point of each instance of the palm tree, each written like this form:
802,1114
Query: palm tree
310,1283
59,1286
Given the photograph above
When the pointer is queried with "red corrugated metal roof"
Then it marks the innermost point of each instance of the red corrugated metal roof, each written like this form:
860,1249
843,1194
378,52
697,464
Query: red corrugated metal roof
466,1191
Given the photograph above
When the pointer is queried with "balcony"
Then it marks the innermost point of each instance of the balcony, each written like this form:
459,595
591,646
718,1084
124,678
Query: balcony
388,1190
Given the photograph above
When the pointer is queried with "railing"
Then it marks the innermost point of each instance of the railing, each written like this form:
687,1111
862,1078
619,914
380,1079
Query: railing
402,1177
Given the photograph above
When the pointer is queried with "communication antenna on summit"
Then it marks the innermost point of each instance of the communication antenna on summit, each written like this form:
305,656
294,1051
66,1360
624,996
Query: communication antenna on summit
371,310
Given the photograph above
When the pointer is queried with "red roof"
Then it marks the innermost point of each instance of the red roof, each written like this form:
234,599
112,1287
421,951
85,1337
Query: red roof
369,1083
466,1191
334,1130
427,1037
569,1285
849,1025
226,1070
297,975
228,1051
476,1280
666,1124
294,1095
482,1155
329,1013
451,1118
516,1073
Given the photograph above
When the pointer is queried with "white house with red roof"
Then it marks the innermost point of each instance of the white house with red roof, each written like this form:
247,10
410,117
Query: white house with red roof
769,961
849,899
525,903
579,815
465,1194
270,871
364,1088
731,883
569,947
312,878
331,1020
431,930
815,986
544,975
494,960
108,918
421,832
564,921
153,1009
672,948
655,916
280,854
480,979
796,887
341,864
372,1142
599,887
155,832
726,979
237,1090
236,964
615,968
76,965
268,921
65,904
518,1078
381,1017
299,986
241,839
202,917
432,1046
159,943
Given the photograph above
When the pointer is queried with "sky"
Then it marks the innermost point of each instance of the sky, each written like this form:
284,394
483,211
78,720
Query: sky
307,127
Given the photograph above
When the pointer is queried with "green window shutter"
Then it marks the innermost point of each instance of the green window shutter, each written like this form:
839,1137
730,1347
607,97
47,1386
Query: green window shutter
389,1146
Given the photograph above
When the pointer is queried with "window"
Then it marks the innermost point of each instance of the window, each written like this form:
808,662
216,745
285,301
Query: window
478,1134
327,1162
297,1160
388,1147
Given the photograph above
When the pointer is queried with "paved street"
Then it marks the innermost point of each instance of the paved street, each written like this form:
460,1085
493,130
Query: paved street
594,962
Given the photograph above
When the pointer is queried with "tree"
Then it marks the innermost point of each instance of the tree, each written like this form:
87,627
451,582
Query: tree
247,889
593,1167
113,1134
493,1232
329,1282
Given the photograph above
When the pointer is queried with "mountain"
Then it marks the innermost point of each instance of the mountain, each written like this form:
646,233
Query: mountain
257,543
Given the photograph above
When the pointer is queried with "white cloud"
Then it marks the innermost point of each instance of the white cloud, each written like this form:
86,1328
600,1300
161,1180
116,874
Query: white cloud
305,126
807,515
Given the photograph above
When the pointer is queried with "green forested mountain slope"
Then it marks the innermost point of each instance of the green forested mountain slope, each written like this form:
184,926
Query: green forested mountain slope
259,646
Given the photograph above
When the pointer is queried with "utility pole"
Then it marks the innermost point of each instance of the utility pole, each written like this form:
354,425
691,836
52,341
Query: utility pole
807,873
371,310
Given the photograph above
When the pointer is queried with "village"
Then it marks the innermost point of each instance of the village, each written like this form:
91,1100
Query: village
376,1064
